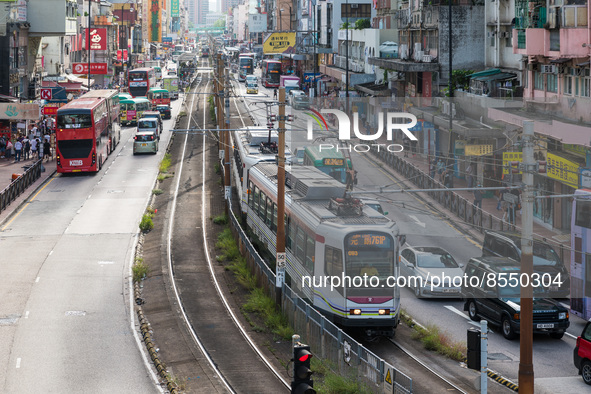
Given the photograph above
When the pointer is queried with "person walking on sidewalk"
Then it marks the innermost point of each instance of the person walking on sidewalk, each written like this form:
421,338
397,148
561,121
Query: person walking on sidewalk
478,197
34,144
47,150
26,148
432,168
469,175
275,94
18,147
9,149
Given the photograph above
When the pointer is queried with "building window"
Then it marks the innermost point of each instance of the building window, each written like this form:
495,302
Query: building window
552,83
355,11
538,80
567,82
582,82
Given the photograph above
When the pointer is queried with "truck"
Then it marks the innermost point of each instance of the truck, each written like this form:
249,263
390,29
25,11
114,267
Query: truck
290,82
171,83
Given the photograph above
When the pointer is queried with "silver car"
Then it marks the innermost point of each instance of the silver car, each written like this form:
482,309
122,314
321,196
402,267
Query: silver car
430,271
145,142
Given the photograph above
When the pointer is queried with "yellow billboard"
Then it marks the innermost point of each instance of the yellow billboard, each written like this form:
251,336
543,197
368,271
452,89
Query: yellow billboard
563,170
280,43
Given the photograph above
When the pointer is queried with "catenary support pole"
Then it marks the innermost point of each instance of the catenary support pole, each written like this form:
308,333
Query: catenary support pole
281,257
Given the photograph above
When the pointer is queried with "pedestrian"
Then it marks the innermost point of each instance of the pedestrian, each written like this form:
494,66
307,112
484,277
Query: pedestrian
9,149
447,182
406,145
34,143
274,94
46,150
440,168
478,197
2,147
18,147
26,148
469,173
432,168
413,147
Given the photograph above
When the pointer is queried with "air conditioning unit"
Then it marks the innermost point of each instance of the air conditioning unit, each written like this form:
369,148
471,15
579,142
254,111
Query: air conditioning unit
418,56
403,51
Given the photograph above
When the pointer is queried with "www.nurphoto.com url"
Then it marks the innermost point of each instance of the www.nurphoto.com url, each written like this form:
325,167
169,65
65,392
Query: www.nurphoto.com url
510,280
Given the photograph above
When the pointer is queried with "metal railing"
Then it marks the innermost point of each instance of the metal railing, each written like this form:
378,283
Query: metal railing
343,354
20,184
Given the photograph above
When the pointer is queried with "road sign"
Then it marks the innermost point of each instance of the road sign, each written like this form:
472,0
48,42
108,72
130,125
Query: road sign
388,373
46,94
281,260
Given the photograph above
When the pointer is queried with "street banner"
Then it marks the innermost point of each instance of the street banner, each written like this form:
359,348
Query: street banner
119,55
125,55
95,68
98,39
174,8
17,111
279,43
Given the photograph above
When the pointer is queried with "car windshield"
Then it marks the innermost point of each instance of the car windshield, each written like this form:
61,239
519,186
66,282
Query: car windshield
300,154
544,254
146,124
377,207
436,261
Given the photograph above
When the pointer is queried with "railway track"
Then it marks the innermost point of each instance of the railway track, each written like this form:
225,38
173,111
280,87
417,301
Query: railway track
238,362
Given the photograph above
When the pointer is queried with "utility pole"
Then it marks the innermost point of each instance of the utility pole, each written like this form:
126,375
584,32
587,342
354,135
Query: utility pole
88,42
227,185
281,257
526,367
451,87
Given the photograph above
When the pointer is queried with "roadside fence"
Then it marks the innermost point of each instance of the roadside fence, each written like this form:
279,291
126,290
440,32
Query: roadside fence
20,184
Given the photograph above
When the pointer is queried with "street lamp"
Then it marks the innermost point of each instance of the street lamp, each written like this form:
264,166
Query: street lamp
280,20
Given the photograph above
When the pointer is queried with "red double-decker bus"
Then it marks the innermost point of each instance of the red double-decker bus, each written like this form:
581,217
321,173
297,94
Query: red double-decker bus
113,108
271,73
86,133
141,80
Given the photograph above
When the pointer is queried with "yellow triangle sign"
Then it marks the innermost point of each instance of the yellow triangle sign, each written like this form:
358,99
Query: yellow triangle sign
388,377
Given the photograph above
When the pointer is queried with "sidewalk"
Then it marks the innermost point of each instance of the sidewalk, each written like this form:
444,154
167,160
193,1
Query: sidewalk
9,167
489,207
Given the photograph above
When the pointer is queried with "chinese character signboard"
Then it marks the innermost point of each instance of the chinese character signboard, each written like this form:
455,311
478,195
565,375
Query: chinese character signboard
280,43
98,39
478,150
563,170
125,55
174,8
508,157
122,37
257,23
119,55
154,25
95,68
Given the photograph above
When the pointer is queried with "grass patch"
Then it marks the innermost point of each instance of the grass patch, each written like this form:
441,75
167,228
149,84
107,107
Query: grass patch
227,244
260,303
327,382
146,224
221,219
435,340
162,177
217,168
157,192
210,100
139,269
181,114
165,163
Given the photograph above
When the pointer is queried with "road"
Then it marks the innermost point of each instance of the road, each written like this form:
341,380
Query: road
425,225
65,301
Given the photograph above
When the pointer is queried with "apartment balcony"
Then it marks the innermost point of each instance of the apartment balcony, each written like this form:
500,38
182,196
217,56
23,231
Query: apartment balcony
551,42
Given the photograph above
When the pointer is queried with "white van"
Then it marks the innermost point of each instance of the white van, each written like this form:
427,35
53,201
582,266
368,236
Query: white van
149,124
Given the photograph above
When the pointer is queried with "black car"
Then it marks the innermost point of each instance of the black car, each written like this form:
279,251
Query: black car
546,260
491,290
164,111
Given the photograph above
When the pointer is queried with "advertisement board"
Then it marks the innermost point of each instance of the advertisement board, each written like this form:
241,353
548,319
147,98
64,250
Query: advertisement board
98,39
155,23
17,111
95,68
257,23
279,43
174,8
563,170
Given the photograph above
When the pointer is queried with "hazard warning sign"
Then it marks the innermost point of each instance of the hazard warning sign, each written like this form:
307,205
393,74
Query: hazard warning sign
388,378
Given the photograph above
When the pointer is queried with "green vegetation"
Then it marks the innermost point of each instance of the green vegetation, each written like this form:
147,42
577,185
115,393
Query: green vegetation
211,108
146,224
327,382
181,114
221,219
165,163
435,340
157,192
258,301
139,269
217,168
361,24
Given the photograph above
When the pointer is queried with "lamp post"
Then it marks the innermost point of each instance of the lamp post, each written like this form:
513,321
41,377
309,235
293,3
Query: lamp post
88,42
280,19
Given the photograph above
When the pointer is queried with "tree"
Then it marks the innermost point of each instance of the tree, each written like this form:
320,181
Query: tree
220,23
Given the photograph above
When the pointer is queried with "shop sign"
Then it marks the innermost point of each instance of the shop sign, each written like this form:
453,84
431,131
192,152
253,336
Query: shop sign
585,178
280,43
508,157
576,149
174,8
98,39
95,68
51,109
563,170
478,150
19,111
459,147
257,23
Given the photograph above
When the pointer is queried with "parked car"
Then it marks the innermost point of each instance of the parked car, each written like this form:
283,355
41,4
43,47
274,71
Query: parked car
145,142
582,354
546,260
500,304
165,111
389,49
427,262
298,99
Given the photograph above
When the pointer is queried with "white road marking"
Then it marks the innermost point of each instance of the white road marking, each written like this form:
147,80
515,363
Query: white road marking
26,314
417,221
106,262
37,280
18,362
454,310
50,253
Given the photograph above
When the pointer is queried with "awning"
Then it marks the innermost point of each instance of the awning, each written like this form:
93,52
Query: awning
490,71
81,79
495,77
560,61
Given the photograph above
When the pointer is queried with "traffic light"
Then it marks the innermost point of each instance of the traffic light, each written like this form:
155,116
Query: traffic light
302,384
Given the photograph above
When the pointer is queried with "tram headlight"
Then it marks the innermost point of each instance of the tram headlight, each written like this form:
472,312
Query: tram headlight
355,312
384,311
